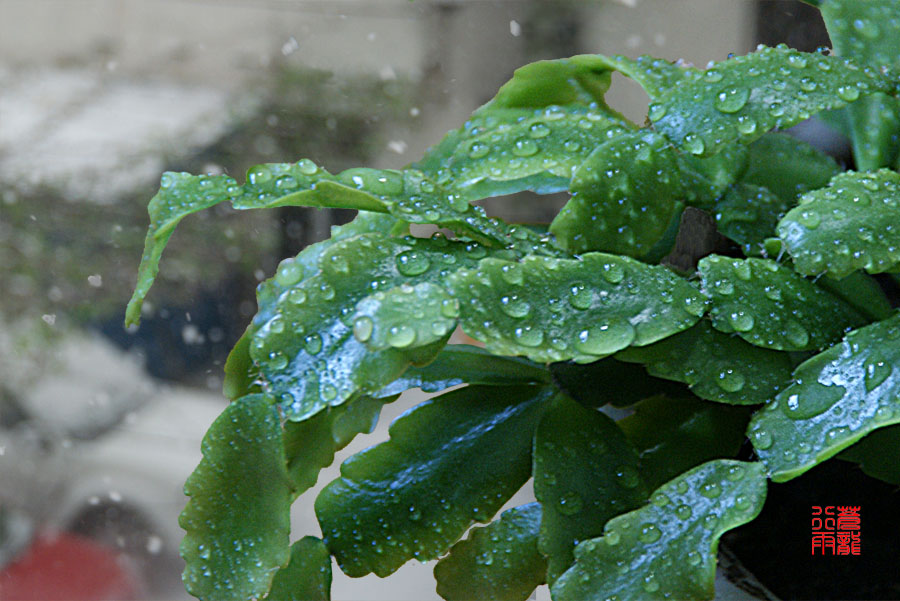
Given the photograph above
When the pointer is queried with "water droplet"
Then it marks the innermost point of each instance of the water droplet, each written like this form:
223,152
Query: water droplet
796,334
612,273
514,306
693,144
807,84
401,336
328,392
296,296
743,502
712,75
848,93
307,167
627,477
866,27
512,274
693,558
694,306
746,124
659,499
710,521
414,514
525,147
684,512
735,473
711,490
579,296
605,338
572,146
612,538
649,533
529,336
741,321
570,503
538,130
656,111
258,175
836,435
876,373
809,218
289,273
478,150
412,263
312,344
761,439
884,414
362,328
731,100
730,381
650,584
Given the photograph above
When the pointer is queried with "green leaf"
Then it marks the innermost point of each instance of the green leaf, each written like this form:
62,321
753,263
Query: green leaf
583,309
706,179
465,364
746,96
667,549
609,381
769,305
404,315
861,292
409,195
837,397
630,179
869,32
877,454
307,576
585,472
450,461
717,367
313,353
499,562
787,167
849,225
240,373
310,445
237,520
748,214
673,435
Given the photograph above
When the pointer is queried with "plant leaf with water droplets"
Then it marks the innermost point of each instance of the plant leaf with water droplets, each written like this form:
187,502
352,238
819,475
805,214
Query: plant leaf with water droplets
583,309
627,181
465,364
307,576
667,549
409,195
837,397
310,444
769,305
423,313
585,472
862,292
850,225
877,454
450,461
499,562
746,96
311,351
869,32
673,435
237,519
610,381
718,367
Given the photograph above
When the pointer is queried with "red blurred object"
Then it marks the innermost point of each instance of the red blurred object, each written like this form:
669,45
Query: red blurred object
66,567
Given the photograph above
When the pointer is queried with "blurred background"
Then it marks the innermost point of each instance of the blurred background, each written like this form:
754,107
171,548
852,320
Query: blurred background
99,426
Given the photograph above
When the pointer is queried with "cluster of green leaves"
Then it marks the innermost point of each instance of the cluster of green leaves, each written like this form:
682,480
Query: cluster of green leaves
791,343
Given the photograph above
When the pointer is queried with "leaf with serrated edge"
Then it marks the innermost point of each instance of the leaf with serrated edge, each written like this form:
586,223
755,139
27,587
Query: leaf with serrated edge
630,179
408,195
667,549
307,576
673,435
237,520
746,96
850,225
869,32
716,366
310,444
837,397
452,460
585,472
465,364
583,309
499,562
769,305
309,349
